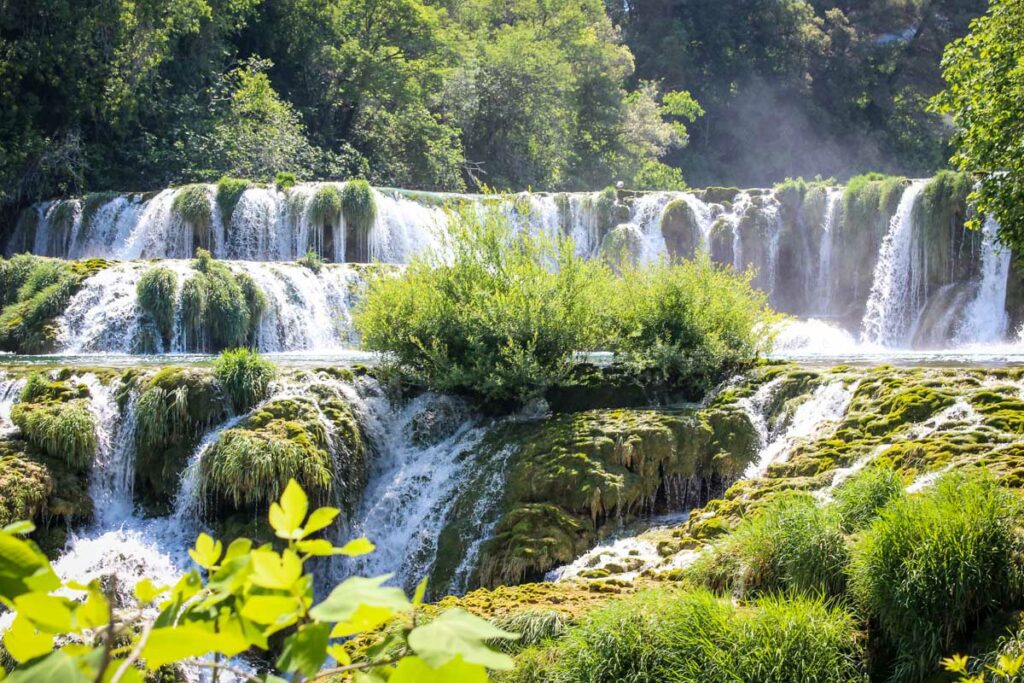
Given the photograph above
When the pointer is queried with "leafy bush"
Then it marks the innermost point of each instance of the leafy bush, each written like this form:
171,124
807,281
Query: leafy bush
692,321
229,191
358,206
245,376
237,598
933,564
156,294
697,637
492,313
859,500
792,543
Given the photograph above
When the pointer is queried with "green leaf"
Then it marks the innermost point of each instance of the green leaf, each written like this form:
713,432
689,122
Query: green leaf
287,516
457,632
207,551
58,666
353,592
47,612
365,618
415,670
94,611
420,593
305,650
19,528
146,591
270,570
176,643
317,548
320,518
24,642
270,609
239,547
357,547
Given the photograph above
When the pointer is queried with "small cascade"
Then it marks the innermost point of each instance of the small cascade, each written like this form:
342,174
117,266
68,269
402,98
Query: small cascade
10,390
103,315
985,319
824,283
891,308
823,408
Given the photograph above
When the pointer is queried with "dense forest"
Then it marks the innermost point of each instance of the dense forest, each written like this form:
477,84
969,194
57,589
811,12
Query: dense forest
463,94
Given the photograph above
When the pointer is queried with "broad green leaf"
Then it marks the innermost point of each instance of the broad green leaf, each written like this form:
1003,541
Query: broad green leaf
318,547
287,516
353,592
47,612
21,528
340,654
415,670
146,591
58,666
239,547
305,651
176,643
270,570
420,593
357,547
320,518
23,568
270,609
457,632
207,551
365,618
94,611
24,642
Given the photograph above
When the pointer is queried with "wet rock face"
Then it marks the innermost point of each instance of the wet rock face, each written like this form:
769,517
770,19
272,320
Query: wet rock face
681,230
438,420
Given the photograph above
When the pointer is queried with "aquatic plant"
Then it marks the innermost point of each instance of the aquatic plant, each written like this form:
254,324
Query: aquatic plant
245,377
229,191
311,260
63,430
156,292
284,180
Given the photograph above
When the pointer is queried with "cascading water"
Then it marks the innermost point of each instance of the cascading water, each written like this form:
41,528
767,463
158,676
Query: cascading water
824,283
985,318
890,310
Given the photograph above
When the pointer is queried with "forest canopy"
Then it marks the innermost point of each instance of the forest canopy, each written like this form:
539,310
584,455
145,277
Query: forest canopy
462,94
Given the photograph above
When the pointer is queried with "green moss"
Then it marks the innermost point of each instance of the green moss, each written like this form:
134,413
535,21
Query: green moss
245,377
720,195
229,191
156,292
285,181
358,206
325,206
621,247
681,229
192,205
92,203
219,308
530,537
312,261
176,406
24,488
62,430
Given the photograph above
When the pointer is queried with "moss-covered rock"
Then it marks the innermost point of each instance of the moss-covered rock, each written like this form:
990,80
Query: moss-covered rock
681,229
156,292
722,240
193,205
220,309
720,195
24,487
229,191
621,247
359,209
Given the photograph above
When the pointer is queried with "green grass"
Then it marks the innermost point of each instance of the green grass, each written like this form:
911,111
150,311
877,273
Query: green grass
325,206
65,431
933,565
859,499
156,291
220,309
192,205
662,636
285,181
790,544
312,261
245,376
229,191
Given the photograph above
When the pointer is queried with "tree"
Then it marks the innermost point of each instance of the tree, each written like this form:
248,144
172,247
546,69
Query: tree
985,98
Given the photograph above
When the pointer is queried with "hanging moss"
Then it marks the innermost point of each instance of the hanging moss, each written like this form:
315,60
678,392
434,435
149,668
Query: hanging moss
285,181
325,206
219,308
192,205
24,487
949,251
358,206
156,292
229,191
63,430
245,376
176,407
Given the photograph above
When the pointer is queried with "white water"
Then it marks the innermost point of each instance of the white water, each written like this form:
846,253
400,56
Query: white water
985,318
890,309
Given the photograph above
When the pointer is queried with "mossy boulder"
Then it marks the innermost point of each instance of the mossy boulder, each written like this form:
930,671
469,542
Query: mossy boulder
54,417
193,205
622,246
25,486
680,227
721,242
220,309
229,192
359,209
720,195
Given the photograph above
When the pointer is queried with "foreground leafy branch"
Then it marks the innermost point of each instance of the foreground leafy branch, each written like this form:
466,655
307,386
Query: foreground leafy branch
234,601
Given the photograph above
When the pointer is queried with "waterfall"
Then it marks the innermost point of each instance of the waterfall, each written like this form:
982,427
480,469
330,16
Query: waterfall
890,309
824,284
985,319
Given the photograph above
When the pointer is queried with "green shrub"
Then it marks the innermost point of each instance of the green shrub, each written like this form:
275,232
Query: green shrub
934,564
692,321
490,318
859,500
13,274
312,261
792,543
358,206
325,206
285,180
696,637
64,431
156,294
192,205
245,376
229,191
